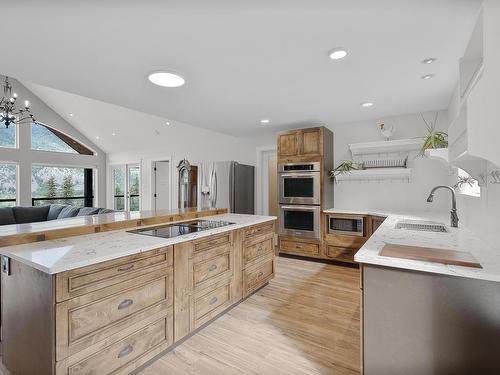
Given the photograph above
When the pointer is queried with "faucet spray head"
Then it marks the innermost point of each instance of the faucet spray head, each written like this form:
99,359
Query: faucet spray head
430,198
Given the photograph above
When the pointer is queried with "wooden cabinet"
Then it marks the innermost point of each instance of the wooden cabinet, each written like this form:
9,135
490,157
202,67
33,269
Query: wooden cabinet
288,144
376,221
303,143
343,254
113,317
311,141
258,257
299,247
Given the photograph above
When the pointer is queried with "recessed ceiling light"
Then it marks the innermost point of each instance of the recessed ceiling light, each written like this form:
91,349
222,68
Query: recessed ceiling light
71,115
427,76
429,60
166,79
113,134
337,53
367,104
265,121
167,123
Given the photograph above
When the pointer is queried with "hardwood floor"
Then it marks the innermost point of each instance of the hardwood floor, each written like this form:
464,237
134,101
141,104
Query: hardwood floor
306,321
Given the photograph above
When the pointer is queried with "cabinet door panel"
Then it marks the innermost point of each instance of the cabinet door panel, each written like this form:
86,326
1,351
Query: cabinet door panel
288,144
311,143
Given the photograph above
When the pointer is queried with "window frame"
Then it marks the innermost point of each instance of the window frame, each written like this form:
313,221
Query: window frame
16,164
54,131
85,168
16,145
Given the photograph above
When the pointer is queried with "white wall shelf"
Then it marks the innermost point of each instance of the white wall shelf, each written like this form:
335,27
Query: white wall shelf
403,174
386,147
440,154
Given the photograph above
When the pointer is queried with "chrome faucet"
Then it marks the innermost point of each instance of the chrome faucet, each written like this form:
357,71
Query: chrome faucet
453,212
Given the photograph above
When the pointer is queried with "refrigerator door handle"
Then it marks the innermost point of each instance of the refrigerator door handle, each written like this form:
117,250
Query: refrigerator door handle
213,198
231,186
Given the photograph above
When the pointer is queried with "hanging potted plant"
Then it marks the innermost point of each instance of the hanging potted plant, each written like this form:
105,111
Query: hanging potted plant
434,138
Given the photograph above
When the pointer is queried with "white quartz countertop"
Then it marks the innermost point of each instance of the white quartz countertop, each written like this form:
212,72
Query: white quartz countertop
74,252
459,239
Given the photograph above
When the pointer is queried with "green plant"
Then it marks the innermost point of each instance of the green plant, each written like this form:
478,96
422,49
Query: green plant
345,166
464,180
434,138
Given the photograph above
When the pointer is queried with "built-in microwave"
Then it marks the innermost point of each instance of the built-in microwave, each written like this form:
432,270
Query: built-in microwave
352,225
300,183
300,221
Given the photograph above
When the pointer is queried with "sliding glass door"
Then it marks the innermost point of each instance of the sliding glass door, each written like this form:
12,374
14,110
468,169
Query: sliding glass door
126,182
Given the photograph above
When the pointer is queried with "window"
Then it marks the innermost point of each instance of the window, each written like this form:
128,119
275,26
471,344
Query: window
8,136
126,187
466,184
62,185
8,185
44,138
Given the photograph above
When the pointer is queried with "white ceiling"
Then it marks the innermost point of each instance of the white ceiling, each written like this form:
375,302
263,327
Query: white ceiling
243,60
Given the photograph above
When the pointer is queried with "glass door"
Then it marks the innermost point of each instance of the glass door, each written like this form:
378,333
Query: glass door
126,180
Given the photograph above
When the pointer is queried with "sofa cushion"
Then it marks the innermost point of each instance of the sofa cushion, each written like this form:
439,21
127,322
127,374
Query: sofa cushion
30,214
68,211
7,216
106,211
54,211
86,211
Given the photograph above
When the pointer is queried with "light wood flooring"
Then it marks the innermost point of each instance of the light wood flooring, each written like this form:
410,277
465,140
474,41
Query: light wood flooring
306,321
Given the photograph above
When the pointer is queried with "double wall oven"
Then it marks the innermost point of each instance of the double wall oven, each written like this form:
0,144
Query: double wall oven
300,199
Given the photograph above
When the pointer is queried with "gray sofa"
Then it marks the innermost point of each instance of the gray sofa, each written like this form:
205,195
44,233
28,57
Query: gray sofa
22,215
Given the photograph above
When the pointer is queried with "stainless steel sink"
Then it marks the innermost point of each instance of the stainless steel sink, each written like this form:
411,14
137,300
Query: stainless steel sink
421,225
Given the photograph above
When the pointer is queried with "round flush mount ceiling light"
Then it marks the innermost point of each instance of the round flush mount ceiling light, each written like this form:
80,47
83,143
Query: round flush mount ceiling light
367,104
166,79
427,76
337,53
429,60
265,121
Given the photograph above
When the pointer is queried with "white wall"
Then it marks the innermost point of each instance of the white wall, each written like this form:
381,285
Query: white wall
174,144
25,157
391,195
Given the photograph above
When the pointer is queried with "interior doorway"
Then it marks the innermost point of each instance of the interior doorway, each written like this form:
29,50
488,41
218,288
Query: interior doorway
161,185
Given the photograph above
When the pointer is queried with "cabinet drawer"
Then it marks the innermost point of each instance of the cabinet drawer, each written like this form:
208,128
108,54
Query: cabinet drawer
339,240
259,230
213,241
213,267
87,279
118,355
211,301
84,321
258,275
341,253
257,250
301,248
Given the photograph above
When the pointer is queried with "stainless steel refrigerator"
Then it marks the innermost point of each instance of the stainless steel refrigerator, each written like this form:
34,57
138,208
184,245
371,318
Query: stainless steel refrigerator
228,184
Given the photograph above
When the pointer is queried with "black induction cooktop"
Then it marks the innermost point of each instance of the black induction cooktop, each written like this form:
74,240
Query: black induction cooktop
175,230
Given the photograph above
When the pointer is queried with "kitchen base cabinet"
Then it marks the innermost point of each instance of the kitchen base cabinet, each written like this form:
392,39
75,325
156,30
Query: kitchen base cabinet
298,246
423,323
115,316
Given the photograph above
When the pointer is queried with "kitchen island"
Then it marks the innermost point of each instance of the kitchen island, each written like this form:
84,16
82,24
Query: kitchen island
110,302
423,317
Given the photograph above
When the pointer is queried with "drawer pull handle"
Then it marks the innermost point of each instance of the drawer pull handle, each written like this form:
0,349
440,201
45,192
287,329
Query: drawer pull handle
213,300
128,268
299,246
126,351
213,267
125,303
260,274
260,248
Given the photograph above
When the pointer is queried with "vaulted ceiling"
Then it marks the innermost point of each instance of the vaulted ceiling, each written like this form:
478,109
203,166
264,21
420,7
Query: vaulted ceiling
243,60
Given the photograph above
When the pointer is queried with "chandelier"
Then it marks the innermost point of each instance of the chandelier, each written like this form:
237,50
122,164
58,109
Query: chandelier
9,113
